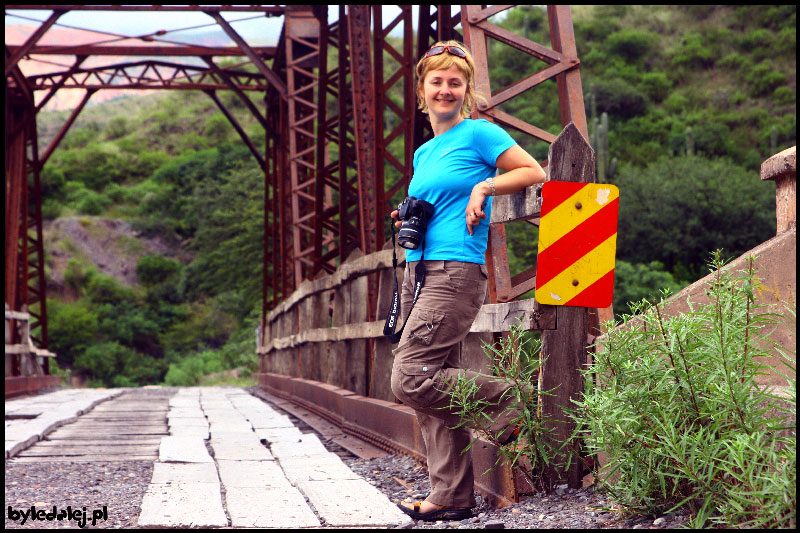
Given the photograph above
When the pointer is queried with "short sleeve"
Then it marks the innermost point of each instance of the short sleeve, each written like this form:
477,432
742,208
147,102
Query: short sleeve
490,141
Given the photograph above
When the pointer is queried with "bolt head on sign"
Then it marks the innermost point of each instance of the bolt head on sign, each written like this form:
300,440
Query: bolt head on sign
577,244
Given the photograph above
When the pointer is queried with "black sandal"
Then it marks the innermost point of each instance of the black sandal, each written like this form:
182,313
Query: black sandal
441,513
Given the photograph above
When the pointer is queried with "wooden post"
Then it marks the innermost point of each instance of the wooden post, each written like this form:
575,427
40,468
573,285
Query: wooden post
564,348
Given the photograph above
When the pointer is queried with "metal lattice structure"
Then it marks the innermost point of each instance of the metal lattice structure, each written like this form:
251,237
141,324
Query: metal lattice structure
338,146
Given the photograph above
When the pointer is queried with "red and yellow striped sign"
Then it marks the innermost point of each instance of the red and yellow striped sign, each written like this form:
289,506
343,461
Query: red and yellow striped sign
577,244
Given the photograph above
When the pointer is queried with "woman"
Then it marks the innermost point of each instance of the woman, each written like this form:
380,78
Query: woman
455,172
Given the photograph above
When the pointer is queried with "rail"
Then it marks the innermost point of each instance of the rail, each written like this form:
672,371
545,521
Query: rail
27,367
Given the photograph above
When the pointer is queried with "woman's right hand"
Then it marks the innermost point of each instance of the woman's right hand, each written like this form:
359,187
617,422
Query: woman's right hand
394,214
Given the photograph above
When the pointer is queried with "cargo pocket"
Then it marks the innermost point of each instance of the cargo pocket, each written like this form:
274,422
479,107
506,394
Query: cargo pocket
422,326
417,384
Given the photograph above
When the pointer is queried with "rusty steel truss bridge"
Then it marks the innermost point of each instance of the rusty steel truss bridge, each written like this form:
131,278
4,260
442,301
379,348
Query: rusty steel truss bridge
339,141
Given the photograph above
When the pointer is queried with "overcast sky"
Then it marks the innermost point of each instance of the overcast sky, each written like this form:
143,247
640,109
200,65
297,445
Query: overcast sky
139,23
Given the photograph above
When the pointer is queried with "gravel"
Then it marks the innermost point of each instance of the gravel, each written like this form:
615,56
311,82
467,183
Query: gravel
400,477
120,486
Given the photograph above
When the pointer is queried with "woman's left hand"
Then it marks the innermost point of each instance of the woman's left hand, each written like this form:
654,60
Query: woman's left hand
474,211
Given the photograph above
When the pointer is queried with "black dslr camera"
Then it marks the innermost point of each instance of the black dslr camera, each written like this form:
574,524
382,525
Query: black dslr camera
415,214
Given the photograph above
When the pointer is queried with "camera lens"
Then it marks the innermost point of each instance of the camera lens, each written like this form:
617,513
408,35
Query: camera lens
410,236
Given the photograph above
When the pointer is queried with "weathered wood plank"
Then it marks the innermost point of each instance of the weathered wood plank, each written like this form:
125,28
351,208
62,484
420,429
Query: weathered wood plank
55,451
351,269
491,318
524,205
494,318
564,349
86,458
145,441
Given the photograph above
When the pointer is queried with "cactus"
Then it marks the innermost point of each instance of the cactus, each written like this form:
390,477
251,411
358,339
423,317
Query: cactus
773,141
598,139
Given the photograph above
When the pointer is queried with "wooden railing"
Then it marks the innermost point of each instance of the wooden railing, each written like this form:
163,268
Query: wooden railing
320,332
27,367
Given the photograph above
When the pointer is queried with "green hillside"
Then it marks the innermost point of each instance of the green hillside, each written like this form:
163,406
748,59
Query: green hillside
694,97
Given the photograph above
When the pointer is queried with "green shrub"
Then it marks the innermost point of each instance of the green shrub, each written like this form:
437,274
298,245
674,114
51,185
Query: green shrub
51,209
635,282
692,52
88,202
217,128
618,98
191,369
764,78
676,103
118,127
631,44
656,85
784,95
71,329
677,410
77,274
106,289
515,361
153,269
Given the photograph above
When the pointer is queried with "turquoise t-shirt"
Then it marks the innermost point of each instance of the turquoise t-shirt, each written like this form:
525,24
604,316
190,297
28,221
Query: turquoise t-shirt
446,168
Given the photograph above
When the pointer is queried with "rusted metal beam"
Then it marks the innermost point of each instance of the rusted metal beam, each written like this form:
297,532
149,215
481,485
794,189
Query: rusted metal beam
570,92
302,62
57,86
264,52
148,75
365,127
254,57
273,11
35,281
236,126
63,131
16,206
242,96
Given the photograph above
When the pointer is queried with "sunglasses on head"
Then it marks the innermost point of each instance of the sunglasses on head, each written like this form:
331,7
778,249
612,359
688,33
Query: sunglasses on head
453,50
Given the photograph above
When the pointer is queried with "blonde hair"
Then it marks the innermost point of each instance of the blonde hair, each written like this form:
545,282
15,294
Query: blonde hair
444,61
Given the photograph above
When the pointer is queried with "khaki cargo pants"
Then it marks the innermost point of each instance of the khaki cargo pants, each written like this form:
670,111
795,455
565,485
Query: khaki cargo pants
428,356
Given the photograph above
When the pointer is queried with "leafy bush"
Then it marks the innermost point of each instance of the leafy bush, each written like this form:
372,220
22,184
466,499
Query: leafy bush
784,95
190,370
764,78
118,127
71,329
677,410
678,208
516,362
656,85
115,365
631,44
692,52
106,289
153,269
634,282
619,98
77,274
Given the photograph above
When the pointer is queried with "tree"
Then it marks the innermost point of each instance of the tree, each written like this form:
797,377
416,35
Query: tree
678,209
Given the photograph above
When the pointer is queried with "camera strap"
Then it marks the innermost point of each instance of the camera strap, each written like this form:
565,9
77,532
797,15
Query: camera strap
394,311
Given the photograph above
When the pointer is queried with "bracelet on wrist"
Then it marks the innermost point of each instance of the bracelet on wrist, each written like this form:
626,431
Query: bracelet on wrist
490,181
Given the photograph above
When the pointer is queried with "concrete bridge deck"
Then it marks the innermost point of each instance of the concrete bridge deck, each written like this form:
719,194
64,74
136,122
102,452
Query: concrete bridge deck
222,457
